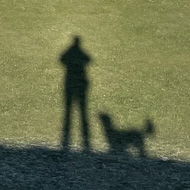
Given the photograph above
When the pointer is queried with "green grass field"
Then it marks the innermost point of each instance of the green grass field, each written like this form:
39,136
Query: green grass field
140,52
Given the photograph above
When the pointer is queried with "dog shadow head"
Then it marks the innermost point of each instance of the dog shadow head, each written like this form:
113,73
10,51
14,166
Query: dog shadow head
149,127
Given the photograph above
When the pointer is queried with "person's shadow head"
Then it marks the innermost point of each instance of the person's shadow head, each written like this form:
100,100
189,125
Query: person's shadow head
77,40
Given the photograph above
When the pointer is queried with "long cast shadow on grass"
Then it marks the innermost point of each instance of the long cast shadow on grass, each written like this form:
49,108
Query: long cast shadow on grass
42,168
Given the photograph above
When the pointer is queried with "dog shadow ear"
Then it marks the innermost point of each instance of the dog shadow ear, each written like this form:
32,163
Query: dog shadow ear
149,127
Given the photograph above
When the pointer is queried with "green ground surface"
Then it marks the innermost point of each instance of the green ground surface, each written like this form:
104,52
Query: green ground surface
140,69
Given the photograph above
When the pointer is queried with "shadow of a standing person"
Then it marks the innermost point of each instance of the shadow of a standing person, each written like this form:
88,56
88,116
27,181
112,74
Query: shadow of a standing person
75,61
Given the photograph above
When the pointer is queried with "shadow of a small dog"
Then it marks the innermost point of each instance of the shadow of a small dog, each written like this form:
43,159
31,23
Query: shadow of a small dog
123,140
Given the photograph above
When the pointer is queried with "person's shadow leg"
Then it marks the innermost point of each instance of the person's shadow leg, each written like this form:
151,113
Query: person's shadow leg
67,121
84,120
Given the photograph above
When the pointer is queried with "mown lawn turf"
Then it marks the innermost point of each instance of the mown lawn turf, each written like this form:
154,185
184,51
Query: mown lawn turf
140,69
